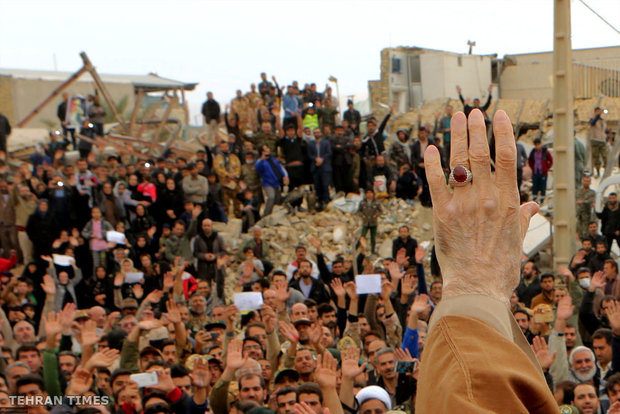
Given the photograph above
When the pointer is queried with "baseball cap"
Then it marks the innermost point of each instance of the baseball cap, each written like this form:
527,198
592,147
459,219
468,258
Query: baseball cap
129,303
302,321
286,373
149,350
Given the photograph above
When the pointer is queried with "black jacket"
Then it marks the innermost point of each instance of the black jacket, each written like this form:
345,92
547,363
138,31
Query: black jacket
610,221
318,291
211,110
527,292
409,245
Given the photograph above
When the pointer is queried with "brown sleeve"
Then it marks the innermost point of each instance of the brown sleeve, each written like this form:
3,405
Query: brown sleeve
480,371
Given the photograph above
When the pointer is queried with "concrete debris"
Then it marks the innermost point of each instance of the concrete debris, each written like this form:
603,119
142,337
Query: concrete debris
338,231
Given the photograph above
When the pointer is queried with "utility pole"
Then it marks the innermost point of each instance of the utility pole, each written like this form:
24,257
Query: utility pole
471,45
563,136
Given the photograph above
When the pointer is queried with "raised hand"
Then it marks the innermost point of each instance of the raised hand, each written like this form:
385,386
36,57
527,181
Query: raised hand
66,316
351,289
613,315
81,380
52,324
408,285
401,257
234,357
598,281
149,324
326,374
138,290
269,318
483,215
200,375
420,304
419,254
565,308
315,333
282,291
403,354
119,279
395,272
102,359
386,290
174,315
89,336
154,296
168,281
48,285
350,363
337,287
164,381
539,346
289,332
316,243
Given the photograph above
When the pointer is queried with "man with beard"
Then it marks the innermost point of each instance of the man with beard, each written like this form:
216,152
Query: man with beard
305,363
273,177
404,242
601,254
610,220
601,344
342,160
311,288
547,284
320,154
228,169
610,270
400,150
293,149
583,256
353,117
530,283
586,399
207,246
400,386
523,320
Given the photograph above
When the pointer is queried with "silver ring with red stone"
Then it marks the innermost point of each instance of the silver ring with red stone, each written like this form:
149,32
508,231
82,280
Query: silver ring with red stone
459,176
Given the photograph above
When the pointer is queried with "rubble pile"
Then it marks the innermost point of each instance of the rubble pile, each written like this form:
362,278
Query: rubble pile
338,231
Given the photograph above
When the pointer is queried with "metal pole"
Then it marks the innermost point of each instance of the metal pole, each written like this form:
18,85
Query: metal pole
563,137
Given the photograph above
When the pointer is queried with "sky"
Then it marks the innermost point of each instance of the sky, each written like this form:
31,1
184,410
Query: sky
224,45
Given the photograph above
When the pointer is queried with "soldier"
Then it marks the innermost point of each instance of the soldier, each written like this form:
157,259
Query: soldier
266,136
228,169
585,201
597,140
240,105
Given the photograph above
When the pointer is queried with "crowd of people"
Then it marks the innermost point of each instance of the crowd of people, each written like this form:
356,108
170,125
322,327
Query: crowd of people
124,274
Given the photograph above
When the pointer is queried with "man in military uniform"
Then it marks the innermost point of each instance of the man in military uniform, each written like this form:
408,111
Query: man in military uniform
585,197
597,140
228,169
249,176
266,136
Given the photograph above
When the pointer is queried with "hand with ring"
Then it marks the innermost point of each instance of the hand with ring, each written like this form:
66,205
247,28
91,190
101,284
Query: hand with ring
479,226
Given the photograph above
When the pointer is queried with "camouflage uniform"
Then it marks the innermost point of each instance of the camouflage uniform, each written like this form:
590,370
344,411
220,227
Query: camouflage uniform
584,210
260,139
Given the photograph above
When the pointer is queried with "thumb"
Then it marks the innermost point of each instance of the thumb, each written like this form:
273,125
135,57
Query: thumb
526,212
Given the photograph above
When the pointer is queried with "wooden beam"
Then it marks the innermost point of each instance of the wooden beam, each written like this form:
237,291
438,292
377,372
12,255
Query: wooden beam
112,143
53,95
136,108
164,119
104,91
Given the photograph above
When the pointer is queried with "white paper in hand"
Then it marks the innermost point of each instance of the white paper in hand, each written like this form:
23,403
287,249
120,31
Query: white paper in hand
133,277
63,260
367,284
115,237
246,301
